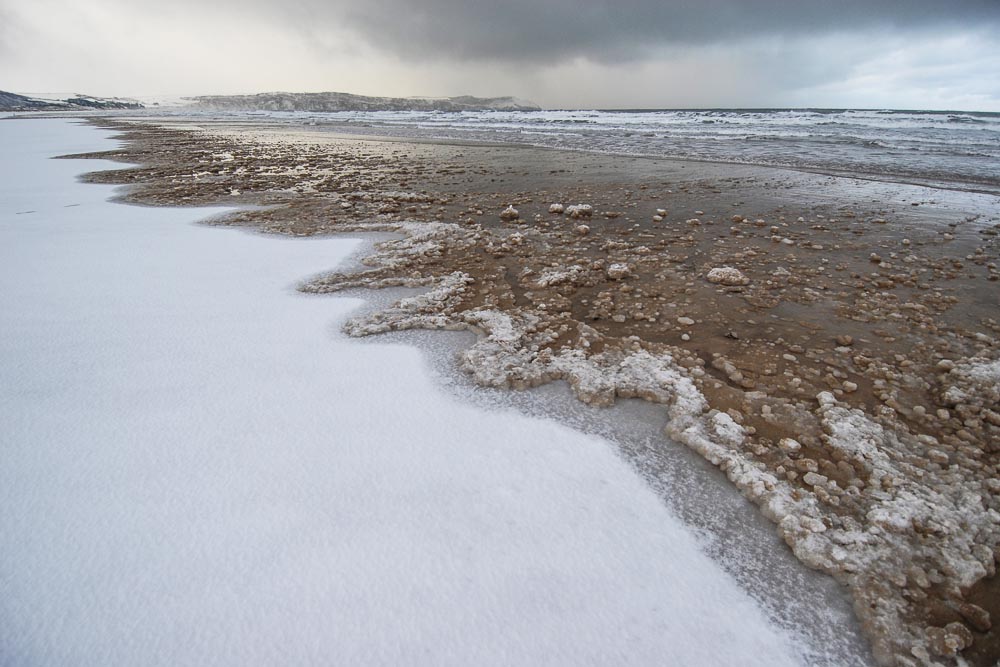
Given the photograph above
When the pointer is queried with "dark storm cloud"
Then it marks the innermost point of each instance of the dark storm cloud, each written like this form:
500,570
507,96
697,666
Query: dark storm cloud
610,31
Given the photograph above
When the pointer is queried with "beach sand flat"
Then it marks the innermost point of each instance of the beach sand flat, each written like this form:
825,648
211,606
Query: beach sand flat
198,469
830,342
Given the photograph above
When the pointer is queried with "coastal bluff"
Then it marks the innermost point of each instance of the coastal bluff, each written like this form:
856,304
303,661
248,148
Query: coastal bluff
321,102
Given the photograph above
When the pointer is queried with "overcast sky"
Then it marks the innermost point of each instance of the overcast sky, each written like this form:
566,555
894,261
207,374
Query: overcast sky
559,53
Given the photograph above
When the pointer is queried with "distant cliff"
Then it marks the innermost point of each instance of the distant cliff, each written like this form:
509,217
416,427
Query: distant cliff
348,102
15,102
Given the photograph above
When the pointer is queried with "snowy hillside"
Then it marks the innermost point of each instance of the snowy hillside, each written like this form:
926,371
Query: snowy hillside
349,102
62,102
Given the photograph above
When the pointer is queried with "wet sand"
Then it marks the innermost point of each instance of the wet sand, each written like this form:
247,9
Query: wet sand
844,376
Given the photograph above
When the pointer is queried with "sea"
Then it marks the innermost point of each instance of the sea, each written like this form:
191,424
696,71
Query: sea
950,149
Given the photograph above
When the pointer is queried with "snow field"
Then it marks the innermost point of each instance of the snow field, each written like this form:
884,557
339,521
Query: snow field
198,469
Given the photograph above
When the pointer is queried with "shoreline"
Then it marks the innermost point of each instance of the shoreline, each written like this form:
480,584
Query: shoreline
342,130
518,317
959,187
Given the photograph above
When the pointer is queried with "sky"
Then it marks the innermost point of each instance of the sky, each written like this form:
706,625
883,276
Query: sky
913,54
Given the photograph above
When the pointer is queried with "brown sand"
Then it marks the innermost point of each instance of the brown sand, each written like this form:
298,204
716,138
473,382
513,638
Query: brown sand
877,293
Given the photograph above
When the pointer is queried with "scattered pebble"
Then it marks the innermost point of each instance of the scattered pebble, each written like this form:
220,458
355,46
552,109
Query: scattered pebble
727,275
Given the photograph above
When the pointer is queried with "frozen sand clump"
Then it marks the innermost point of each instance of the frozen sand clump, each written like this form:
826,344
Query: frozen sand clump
727,275
972,388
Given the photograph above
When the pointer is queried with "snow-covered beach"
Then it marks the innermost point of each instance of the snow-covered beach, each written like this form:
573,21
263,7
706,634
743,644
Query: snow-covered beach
198,469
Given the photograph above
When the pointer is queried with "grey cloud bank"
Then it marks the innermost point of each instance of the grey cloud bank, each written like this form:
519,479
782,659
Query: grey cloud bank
594,53
605,30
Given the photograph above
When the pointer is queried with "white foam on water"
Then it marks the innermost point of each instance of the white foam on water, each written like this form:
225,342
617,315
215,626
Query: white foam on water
198,469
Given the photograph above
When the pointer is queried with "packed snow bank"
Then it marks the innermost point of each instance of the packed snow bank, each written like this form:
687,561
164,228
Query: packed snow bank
197,469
